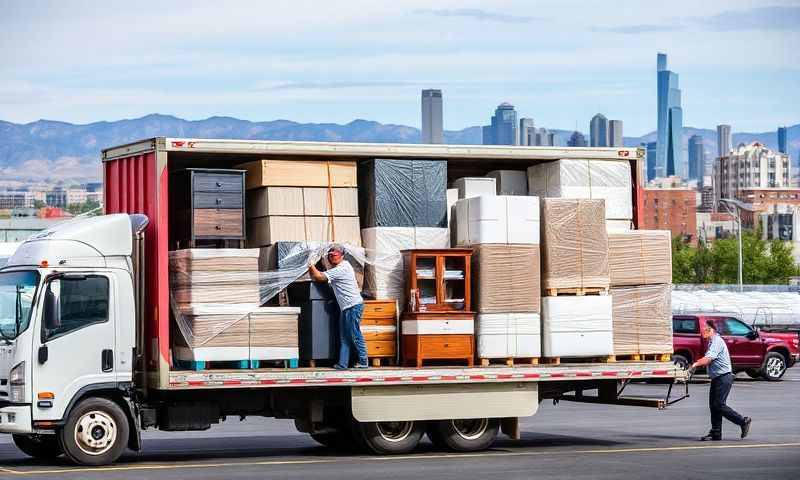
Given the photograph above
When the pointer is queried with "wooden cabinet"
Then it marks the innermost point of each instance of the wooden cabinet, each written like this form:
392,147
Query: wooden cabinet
379,328
208,206
439,324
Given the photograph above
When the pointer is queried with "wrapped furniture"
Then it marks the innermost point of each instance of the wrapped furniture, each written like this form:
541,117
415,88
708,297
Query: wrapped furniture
577,326
640,257
642,318
510,182
300,173
469,187
497,219
508,336
506,279
218,275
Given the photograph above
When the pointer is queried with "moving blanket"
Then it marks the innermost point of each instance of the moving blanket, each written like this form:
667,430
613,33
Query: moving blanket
642,319
577,326
640,257
574,244
403,193
508,335
609,180
506,279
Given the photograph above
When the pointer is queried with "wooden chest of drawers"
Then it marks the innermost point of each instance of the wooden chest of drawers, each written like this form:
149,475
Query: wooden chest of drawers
379,327
213,200
418,348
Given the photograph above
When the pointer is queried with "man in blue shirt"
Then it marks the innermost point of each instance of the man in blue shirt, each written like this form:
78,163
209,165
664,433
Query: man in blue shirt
718,362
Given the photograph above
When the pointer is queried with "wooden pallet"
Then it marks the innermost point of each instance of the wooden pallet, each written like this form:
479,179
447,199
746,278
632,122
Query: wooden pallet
555,292
197,365
509,361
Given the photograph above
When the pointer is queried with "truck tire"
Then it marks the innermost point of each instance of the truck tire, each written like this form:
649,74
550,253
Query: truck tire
681,361
389,438
753,373
774,367
464,435
44,447
95,433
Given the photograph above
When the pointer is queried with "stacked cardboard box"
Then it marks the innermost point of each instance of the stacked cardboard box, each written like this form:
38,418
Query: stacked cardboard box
641,272
510,182
587,179
301,201
504,234
223,275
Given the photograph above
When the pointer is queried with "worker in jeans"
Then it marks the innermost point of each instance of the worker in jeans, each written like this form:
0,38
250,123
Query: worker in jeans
718,362
342,279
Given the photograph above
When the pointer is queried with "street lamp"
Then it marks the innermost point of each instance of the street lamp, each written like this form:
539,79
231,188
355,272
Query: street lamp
734,207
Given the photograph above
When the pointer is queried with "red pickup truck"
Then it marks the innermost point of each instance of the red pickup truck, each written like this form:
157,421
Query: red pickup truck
760,354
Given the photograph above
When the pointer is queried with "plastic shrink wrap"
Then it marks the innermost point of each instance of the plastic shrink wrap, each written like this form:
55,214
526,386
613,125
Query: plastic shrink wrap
587,179
288,255
640,257
510,182
642,319
506,279
577,326
469,187
403,193
574,244
225,275
497,219
508,335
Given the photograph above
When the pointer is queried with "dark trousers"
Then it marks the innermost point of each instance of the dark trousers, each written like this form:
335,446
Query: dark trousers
350,337
717,396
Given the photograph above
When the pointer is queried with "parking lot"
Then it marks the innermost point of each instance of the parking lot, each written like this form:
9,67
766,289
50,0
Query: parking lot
561,441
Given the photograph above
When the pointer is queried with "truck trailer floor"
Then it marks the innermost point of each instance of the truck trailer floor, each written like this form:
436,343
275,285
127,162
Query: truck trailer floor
566,441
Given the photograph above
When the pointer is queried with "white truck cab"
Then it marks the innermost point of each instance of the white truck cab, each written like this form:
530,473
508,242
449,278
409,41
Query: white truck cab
67,315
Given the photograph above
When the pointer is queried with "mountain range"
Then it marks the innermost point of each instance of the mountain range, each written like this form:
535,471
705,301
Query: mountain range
48,150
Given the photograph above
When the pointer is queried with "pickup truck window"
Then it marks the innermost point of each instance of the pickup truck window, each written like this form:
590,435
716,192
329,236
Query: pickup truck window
83,302
736,327
685,325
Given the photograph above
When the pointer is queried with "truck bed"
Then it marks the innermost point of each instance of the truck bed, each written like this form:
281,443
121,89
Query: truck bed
329,377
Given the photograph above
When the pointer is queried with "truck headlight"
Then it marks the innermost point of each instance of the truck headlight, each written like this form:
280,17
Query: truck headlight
17,383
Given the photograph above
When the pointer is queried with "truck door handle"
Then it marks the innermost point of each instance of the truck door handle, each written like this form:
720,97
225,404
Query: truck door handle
43,354
107,360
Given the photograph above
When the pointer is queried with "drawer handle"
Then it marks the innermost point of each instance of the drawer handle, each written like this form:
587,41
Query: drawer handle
218,227
446,345
219,201
219,184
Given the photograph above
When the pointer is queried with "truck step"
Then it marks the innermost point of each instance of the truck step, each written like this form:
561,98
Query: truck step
555,292
510,361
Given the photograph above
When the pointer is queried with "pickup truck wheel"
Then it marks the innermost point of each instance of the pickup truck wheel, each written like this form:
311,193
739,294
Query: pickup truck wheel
39,446
96,432
389,438
774,367
464,435
681,361
753,373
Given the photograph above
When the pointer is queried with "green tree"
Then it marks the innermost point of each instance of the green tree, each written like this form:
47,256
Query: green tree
682,262
781,262
703,264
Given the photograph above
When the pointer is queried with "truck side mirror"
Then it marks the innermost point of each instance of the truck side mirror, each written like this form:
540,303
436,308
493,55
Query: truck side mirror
752,335
52,308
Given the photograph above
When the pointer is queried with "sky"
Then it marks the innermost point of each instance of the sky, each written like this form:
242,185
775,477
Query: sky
335,61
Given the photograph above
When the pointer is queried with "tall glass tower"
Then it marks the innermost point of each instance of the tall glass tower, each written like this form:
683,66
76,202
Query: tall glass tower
670,121
697,158
598,131
503,129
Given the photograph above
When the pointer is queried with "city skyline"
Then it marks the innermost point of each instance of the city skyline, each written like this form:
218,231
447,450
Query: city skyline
345,61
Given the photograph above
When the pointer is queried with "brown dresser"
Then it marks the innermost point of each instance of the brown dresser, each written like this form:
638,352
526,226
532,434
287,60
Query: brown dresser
214,201
379,327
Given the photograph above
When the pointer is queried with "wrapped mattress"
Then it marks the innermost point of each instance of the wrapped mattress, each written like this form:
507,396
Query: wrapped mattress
508,335
642,319
609,180
574,244
497,219
506,278
640,257
219,275
577,326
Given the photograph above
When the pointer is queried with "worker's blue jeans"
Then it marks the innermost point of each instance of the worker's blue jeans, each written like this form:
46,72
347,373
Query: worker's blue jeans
350,336
717,398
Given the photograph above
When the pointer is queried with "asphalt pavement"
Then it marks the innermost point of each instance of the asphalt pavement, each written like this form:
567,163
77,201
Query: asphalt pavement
569,441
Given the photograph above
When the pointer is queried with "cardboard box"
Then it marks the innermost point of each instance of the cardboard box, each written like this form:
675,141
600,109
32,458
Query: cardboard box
262,202
510,182
577,326
316,202
499,219
642,319
469,187
508,335
222,275
506,279
574,244
640,257
263,231
300,173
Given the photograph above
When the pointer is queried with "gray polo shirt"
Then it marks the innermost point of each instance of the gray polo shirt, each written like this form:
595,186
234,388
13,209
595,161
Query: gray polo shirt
720,358
342,279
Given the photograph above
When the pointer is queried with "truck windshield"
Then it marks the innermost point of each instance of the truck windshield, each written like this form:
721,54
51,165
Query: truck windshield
17,290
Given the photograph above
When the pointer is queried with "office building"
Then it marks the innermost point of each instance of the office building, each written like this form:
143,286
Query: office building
598,131
697,158
551,139
503,129
432,131
723,140
747,167
577,139
669,158
527,132
615,133
782,140
650,159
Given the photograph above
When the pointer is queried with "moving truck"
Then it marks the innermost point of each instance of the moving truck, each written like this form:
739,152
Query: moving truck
84,381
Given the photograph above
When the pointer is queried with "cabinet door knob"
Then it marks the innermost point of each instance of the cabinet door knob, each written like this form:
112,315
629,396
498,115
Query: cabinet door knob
218,227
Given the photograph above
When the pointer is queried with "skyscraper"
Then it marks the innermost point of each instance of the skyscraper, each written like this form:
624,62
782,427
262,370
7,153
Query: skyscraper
551,139
670,120
615,133
723,140
543,137
432,116
527,132
696,158
782,140
650,159
598,131
577,140
503,129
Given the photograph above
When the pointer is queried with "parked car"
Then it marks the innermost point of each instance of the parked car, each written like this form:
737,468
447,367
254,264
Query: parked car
760,354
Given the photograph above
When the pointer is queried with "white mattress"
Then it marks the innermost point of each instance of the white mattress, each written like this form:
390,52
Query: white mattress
438,327
502,219
577,326
469,187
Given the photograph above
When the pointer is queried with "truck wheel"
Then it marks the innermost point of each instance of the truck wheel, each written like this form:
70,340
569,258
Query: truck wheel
681,361
464,435
39,446
774,367
95,433
753,373
389,438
